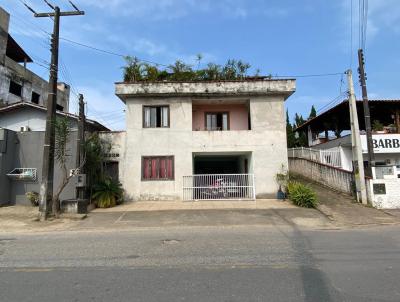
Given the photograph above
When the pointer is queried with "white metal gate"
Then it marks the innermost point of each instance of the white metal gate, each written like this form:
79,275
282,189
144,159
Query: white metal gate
219,187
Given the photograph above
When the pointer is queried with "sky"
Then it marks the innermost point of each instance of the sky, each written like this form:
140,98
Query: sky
279,37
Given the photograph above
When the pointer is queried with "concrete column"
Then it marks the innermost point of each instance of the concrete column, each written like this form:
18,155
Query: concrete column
4,23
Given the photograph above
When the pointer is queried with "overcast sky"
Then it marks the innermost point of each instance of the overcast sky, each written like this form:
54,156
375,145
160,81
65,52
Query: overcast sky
279,37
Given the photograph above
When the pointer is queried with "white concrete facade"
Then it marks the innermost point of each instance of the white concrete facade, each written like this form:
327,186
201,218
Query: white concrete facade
264,143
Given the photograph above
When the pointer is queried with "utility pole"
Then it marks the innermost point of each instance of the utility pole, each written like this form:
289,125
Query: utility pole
358,163
367,116
46,187
80,143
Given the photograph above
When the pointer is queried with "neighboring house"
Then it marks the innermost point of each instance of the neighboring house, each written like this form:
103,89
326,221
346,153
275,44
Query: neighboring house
320,131
202,140
17,83
31,117
22,132
336,151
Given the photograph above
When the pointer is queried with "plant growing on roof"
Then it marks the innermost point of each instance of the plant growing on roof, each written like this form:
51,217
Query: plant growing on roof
133,70
136,71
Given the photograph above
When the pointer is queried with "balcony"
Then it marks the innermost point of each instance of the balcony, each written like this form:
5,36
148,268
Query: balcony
220,116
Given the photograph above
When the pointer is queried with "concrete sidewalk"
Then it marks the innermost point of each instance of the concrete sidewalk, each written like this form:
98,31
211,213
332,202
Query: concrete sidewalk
140,206
343,210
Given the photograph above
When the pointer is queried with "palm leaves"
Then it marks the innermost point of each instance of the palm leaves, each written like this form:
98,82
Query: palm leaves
107,193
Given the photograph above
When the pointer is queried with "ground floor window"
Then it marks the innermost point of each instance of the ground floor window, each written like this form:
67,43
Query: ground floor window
158,168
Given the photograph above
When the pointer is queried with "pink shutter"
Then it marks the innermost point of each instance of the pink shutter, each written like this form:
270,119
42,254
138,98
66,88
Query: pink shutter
163,168
170,171
154,174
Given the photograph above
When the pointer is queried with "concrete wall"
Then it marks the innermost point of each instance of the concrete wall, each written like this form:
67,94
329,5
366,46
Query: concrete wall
266,143
238,115
7,153
30,82
4,23
117,140
33,118
25,150
328,176
390,198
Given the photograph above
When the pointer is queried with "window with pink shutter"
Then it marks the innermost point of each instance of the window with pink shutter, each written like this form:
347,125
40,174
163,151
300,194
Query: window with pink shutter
158,168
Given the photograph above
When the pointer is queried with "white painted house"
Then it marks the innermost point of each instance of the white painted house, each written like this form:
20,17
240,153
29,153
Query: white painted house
202,140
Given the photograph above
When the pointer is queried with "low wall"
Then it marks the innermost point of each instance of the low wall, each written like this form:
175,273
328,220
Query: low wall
331,177
384,193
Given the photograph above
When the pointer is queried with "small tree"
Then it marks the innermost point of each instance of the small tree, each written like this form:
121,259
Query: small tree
313,113
291,139
61,155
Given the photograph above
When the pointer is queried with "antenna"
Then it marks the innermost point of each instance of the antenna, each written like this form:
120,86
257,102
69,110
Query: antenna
73,5
51,6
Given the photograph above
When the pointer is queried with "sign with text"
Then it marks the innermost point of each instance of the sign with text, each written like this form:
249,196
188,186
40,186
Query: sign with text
383,143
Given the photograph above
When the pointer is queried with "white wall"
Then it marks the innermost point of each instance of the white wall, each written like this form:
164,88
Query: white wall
266,142
391,198
33,118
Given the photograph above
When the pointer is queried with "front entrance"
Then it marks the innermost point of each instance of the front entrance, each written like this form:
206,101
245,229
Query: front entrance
220,177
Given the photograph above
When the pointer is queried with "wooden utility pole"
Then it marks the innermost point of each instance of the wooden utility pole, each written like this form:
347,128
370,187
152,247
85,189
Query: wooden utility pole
80,144
367,116
46,187
358,162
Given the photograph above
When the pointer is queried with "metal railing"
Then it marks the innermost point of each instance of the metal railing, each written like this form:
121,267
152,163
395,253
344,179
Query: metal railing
219,187
329,157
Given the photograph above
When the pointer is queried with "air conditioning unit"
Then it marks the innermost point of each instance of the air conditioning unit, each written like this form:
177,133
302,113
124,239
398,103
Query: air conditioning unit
25,129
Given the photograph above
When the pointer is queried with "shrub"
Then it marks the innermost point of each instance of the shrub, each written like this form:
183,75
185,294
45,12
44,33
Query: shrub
107,193
33,197
302,195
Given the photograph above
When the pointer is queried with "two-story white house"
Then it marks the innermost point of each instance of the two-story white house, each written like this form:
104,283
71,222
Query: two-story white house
202,140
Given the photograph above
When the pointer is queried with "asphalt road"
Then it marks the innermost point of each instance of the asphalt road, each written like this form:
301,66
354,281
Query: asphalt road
243,263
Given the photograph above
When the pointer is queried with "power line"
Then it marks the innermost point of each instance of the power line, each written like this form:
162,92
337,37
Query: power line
110,52
308,75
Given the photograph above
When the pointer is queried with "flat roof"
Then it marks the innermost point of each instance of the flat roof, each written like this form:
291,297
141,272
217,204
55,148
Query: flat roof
236,88
15,52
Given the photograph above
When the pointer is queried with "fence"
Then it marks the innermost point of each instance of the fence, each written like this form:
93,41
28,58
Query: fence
326,175
218,186
327,157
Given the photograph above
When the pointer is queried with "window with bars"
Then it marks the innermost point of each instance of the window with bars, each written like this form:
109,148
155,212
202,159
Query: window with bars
157,168
217,121
155,116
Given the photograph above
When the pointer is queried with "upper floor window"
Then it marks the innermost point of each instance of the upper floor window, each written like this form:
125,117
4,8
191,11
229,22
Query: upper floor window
155,116
35,97
217,121
15,88
59,108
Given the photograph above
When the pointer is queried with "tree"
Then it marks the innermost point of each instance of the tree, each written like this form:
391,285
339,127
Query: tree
301,137
313,113
61,154
291,139
299,120
96,150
